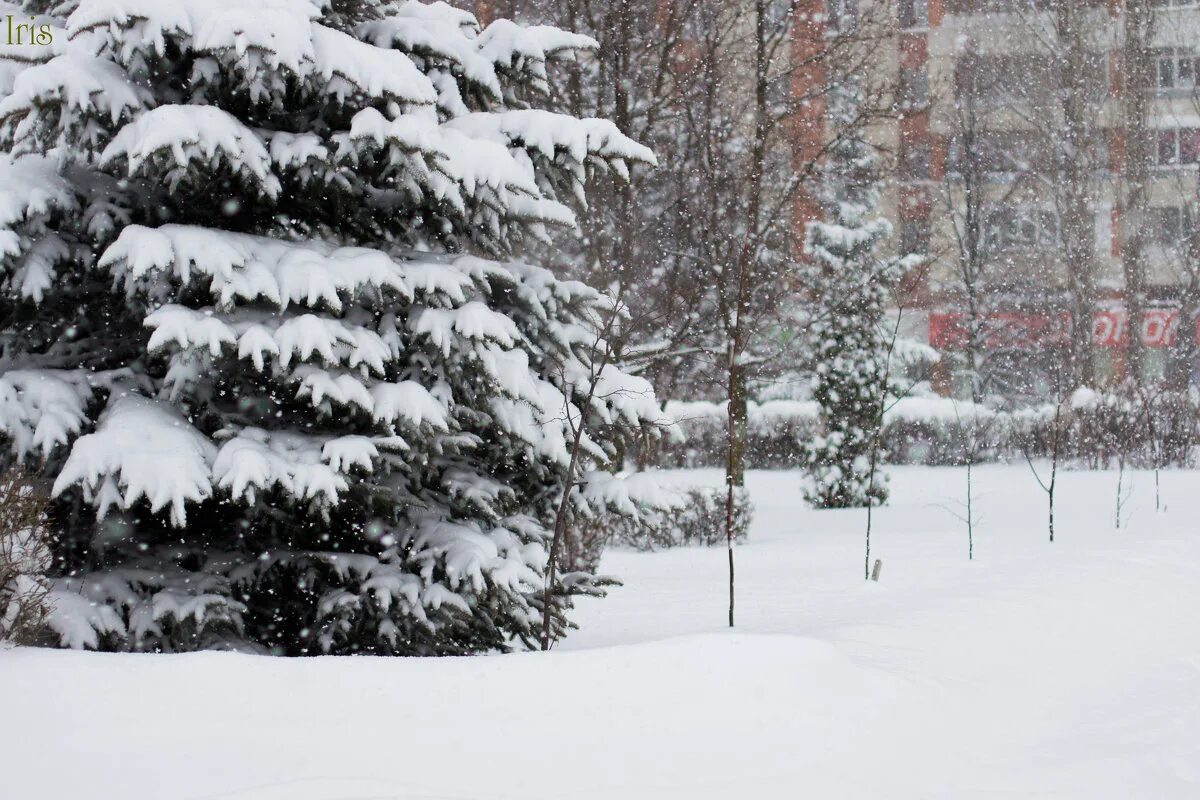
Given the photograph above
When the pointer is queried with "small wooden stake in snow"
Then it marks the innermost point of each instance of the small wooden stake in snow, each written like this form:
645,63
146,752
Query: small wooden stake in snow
876,569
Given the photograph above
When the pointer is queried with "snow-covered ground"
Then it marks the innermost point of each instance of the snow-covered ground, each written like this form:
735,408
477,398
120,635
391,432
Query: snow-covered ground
1069,670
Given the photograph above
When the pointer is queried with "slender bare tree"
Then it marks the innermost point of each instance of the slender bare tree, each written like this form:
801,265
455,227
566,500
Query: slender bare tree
1136,77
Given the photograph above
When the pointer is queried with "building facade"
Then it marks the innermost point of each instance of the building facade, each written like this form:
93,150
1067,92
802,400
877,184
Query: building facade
1014,172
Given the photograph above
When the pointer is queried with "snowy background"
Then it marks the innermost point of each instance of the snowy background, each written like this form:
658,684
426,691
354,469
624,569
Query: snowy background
283,377
1069,670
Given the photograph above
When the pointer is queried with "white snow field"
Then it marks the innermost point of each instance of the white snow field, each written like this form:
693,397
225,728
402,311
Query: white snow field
1069,670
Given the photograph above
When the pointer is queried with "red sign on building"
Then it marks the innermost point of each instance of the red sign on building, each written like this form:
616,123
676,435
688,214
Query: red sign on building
1010,330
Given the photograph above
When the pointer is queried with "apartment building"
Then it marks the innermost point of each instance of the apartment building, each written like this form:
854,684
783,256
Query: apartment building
983,154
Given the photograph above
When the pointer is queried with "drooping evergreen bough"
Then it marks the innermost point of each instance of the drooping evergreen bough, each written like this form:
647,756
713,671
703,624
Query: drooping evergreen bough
251,334
851,283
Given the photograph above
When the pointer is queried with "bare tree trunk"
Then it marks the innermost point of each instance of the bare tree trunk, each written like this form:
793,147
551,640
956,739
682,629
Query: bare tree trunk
734,475
1074,184
556,543
746,260
1136,68
968,230
970,509
1054,470
1120,488
562,512
1157,445
971,198
737,414
1182,352
1157,489
876,435
1050,493
1055,446
870,506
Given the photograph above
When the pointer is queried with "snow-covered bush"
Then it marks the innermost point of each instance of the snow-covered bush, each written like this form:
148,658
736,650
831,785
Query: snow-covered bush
285,403
696,518
1172,425
1153,428
775,432
924,428
24,559
919,429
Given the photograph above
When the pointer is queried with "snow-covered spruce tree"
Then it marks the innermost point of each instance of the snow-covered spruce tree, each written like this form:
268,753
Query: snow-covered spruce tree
850,284
251,334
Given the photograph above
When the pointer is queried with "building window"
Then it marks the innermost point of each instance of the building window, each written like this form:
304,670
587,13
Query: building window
913,91
995,6
1175,68
999,79
914,236
1020,228
914,13
1174,146
1025,77
1000,153
779,94
1170,227
841,15
914,160
1154,364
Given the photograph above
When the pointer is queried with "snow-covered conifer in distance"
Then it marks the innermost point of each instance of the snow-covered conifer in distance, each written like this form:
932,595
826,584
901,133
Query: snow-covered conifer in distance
286,402
850,283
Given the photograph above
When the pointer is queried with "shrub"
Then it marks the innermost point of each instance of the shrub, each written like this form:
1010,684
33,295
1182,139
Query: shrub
1155,429
24,558
698,519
